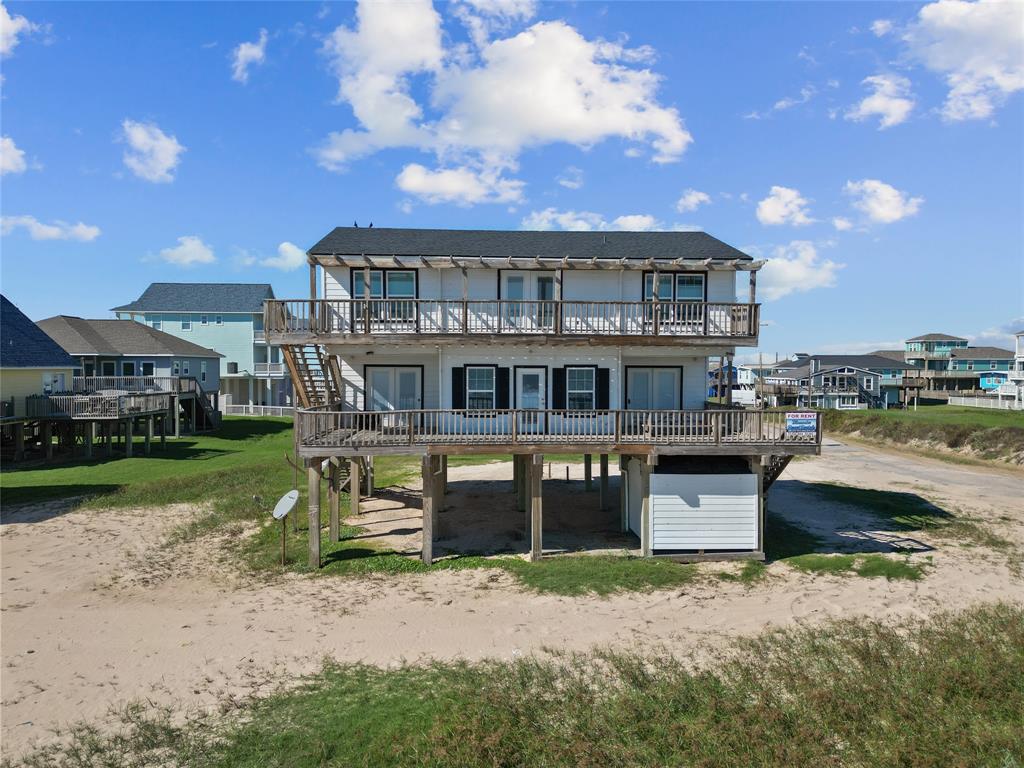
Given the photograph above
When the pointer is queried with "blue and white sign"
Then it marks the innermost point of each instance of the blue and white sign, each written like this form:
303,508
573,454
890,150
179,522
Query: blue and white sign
802,422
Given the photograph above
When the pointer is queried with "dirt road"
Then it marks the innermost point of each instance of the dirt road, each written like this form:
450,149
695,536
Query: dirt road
98,611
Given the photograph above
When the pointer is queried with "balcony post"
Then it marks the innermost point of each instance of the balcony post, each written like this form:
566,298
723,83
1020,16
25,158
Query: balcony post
656,285
366,298
558,301
312,299
465,300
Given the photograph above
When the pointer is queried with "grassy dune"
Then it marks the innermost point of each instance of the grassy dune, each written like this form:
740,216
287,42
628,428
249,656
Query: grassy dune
946,691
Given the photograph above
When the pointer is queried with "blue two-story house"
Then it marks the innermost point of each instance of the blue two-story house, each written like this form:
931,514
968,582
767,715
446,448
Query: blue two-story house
228,318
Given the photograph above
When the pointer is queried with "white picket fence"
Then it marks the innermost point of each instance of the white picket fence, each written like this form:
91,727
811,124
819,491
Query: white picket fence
258,410
988,402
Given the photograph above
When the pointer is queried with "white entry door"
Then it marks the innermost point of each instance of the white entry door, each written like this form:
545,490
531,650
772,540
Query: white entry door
653,389
531,395
394,388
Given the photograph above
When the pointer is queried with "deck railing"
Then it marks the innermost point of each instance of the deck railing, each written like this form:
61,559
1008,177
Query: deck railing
368,429
95,406
266,369
471,317
177,384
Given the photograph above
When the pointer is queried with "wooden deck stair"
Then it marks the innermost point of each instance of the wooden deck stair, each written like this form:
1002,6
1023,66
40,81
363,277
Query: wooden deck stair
316,375
775,467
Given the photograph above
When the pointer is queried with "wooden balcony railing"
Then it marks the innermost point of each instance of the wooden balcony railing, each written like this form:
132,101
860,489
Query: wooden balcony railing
475,317
95,406
177,384
326,429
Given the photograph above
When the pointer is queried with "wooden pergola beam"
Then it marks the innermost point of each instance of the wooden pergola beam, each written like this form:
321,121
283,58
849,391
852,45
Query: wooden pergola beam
413,261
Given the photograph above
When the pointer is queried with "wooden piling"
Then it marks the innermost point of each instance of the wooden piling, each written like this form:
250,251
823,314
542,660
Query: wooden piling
334,501
89,437
603,485
427,471
48,440
149,435
588,480
645,508
128,435
536,471
353,485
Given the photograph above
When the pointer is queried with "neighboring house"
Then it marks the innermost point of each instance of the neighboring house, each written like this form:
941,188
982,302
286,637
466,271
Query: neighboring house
123,349
735,383
31,363
438,342
839,381
949,363
228,318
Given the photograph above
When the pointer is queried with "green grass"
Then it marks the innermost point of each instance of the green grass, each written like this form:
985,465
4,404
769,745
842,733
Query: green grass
871,565
944,691
987,434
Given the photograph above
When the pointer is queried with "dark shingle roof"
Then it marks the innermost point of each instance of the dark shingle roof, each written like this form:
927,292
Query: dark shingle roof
23,345
503,244
860,361
981,353
937,337
117,337
200,297
894,354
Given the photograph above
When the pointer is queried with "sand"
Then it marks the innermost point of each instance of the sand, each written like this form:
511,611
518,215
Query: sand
97,610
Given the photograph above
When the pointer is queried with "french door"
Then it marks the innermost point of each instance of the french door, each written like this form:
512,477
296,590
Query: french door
394,388
533,294
653,388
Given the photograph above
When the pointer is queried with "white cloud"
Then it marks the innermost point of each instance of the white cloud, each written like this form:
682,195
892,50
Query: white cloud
586,221
189,251
247,55
796,268
11,29
977,46
998,336
890,99
842,224
480,110
881,27
462,186
57,230
787,102
483,18
152,154
691,200
12,159
289,257
571,177
857,347
784,206
881,202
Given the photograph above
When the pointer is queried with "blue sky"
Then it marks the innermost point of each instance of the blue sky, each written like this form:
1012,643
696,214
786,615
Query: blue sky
873,151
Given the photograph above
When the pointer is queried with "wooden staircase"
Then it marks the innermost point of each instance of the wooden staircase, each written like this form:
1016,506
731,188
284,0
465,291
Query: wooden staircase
316,375
776,466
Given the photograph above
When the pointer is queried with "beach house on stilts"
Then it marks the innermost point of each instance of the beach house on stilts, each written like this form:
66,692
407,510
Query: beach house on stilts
442,342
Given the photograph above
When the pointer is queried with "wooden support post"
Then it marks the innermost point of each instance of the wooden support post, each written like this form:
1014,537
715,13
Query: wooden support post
19,441
603,485
645,509
427,470
623,491
129,428
48,439
515,474
353,485
89,437
149,435
369,477
108,437
444,473
313,474
588,472
438,496
176,409
163,432
757,467
334,501
524,481
536,471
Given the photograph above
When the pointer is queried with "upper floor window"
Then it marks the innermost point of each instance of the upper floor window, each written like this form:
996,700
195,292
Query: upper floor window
202,370
155,322
218,319
204,320
869,383
186,322
53,382
675,287
993,365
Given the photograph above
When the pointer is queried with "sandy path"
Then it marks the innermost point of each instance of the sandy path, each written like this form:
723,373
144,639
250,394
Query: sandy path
86,625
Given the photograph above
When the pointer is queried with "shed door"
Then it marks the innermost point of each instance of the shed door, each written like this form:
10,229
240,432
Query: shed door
710,512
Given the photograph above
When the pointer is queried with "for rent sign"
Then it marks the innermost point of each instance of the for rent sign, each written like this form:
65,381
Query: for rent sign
801,422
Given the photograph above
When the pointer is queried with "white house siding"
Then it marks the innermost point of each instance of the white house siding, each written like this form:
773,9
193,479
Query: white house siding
701,511
577,285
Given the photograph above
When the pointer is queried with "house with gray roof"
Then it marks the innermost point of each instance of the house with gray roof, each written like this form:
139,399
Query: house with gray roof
431,342
950,363
128,349
227,318
839,381
31,363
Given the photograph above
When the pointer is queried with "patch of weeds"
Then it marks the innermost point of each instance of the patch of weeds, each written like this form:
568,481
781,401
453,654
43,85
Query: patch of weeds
872,565
751,573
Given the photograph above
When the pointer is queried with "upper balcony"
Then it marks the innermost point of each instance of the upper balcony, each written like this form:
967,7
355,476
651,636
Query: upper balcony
362,321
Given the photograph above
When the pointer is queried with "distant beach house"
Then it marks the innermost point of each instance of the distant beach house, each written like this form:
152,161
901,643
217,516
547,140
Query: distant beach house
838,381
227,318
949,363
31,363
123,349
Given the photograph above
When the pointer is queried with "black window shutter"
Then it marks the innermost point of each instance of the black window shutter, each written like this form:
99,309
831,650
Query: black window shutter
603,395
458,388
501,387
558,388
